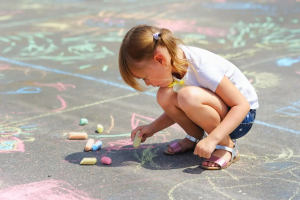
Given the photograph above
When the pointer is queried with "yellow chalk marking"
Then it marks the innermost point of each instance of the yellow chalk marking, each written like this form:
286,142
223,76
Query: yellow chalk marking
112,124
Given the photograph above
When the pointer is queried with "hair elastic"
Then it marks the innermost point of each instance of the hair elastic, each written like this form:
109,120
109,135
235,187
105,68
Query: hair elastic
156,36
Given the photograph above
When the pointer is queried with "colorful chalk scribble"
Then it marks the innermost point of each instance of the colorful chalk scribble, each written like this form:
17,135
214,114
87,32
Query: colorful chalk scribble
10,138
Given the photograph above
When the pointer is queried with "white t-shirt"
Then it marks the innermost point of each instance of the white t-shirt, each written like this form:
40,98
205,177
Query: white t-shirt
211,69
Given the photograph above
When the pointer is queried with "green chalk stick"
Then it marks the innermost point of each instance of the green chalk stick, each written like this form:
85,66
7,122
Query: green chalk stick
83,121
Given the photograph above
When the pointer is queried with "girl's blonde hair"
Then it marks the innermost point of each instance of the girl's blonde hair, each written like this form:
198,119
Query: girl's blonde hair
139,44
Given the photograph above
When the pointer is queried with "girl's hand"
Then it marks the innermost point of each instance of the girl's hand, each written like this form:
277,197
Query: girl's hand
205,148
145,132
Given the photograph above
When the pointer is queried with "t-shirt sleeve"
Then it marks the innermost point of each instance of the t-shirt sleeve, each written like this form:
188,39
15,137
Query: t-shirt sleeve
211,74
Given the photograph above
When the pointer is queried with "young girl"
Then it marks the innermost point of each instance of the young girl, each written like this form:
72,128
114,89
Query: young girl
198,90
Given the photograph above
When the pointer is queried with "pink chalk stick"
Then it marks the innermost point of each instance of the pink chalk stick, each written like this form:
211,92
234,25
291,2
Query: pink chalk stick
106,160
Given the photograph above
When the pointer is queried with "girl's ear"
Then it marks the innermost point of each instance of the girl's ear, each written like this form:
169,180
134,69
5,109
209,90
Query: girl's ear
161,59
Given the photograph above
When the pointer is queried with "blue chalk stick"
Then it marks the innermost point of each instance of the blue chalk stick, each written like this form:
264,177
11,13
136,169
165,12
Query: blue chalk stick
97,146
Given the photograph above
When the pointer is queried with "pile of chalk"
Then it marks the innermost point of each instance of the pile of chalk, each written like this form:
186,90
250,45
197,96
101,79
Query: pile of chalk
90,145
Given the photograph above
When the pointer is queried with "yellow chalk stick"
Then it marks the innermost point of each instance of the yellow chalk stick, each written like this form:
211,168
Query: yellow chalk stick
89,144
99,128
88,161
136,141
77,136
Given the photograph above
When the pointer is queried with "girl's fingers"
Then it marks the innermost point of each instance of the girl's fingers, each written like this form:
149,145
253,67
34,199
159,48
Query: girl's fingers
133,133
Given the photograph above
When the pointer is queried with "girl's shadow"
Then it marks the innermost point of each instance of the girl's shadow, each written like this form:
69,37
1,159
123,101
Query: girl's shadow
149,156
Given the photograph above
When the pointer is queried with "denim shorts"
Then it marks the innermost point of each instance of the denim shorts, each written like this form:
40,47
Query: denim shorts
245,126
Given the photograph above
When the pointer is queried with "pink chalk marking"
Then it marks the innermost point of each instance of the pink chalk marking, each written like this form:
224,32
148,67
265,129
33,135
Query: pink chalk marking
135,121
18,147
59,86
46,190
213,32
3,68
190,27
118,145
297,72
11,12
219,1
63,104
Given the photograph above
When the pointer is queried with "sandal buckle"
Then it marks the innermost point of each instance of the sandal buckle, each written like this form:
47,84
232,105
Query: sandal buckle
192,138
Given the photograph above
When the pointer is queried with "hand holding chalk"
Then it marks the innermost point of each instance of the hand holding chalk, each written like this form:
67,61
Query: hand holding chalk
144,132
137,140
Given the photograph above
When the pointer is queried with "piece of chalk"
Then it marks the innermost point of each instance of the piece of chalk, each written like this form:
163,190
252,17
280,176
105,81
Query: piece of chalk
77,136
97,146
136,141
89,144
106,160
99,128
88,161
83,121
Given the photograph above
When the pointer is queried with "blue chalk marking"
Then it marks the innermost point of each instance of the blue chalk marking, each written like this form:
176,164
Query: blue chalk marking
7,145
113,84
278,127
287,62
97,146
25,90
72,74
27,126
289,110
279,166
238,6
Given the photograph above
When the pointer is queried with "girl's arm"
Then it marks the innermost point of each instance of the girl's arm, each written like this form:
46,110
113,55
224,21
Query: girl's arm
162,122
239,109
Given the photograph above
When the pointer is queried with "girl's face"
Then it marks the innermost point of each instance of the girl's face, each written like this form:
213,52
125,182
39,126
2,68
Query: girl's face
156,72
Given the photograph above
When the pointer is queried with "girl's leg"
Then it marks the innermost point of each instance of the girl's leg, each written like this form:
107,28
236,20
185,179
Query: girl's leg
167,99
207,110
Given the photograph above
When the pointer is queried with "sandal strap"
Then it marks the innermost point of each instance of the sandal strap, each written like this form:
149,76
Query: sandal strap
219,161
175,147
233,151
192,138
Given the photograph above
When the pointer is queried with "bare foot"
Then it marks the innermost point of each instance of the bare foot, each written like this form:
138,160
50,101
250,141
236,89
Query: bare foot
185,144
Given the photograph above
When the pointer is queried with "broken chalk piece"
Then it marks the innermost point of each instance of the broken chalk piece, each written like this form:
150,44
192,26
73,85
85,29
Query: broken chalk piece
89,144
106,160
88,161
137,141
83,121
77,136
97,146
99,128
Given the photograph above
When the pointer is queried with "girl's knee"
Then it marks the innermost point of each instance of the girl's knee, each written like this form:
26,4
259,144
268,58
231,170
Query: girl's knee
189,96
194,97
165,97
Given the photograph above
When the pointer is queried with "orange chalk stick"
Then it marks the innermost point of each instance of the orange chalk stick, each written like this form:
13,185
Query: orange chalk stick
89,144
77,136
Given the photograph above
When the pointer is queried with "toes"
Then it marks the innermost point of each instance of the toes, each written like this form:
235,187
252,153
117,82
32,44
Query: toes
210,164
170,150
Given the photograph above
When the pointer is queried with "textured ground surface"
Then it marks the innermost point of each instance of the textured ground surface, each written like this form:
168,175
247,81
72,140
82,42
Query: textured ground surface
58,63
